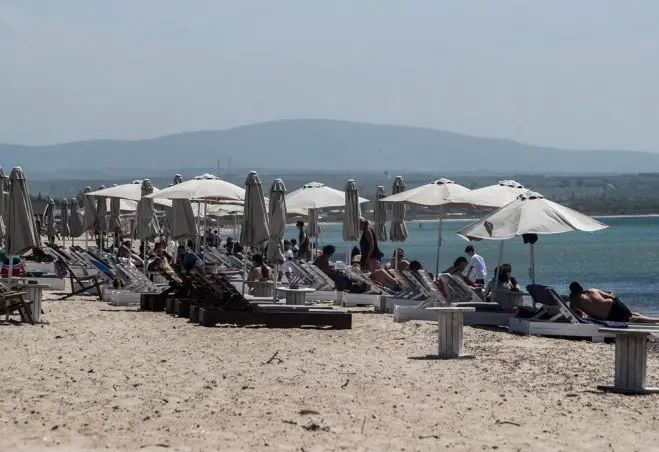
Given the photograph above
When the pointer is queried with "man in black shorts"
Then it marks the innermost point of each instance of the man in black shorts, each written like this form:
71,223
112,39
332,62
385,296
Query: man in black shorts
602,305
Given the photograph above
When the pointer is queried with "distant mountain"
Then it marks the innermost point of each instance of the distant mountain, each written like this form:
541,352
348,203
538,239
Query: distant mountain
320,145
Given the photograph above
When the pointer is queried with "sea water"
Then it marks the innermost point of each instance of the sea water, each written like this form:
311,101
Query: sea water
623,258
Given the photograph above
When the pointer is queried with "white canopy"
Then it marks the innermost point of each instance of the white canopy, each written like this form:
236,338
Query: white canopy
531,213
441,192
500,194
316,195
205,188
132,192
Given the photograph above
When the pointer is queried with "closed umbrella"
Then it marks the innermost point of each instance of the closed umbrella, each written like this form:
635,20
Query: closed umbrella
255,219
3,230
64,220
351,215
529,216
380,215
114,225
398,229
21,230
146,221
77,227
277,216
313,226
101,214
89,209
49,219
182,222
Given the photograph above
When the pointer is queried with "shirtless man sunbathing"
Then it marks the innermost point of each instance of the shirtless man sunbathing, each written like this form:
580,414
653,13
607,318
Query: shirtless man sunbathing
602,305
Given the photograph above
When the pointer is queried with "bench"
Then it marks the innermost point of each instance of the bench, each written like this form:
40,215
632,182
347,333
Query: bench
450,332
630,361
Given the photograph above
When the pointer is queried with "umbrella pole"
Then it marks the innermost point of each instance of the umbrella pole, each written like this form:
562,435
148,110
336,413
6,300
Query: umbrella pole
532,263
244,271
197,221
235,225
275,277
145,244
496,275
439,241
205,238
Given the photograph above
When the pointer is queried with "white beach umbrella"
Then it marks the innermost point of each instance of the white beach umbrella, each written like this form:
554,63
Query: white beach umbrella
21,230
65,221
76,225
89,208
101,215
254,229
439,193
49,218
277,216
398,228
146,221
380,215
498,195
3,229
255,218
351,215
316,195
131,191
313,225
181,219
206,187
114,225
530,215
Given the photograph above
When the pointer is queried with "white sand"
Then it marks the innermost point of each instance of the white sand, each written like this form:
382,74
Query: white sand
103,378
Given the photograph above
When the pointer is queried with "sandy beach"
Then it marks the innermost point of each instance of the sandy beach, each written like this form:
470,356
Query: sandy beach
98,377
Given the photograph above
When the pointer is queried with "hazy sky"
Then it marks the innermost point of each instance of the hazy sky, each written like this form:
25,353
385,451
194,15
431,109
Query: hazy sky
568,73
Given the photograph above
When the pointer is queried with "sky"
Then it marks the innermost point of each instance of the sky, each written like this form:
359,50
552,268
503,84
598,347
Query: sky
578,74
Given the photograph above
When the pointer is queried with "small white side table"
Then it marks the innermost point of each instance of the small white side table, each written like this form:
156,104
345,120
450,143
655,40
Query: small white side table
297,296
450,332
631,361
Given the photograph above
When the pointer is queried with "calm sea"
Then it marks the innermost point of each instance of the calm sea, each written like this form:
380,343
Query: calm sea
623,258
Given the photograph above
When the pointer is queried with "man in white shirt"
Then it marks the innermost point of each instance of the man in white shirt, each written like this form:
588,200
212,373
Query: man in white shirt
477,265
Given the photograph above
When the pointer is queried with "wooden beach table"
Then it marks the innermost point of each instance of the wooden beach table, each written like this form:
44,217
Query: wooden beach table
450,332
630,361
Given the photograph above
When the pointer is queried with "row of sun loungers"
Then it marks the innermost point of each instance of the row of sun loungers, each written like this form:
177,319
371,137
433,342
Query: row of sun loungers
90,271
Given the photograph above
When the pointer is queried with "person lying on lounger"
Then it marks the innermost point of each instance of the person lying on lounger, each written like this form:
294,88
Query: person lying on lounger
602,305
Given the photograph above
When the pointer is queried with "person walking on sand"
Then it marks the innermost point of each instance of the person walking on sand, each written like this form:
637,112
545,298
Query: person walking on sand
477,265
